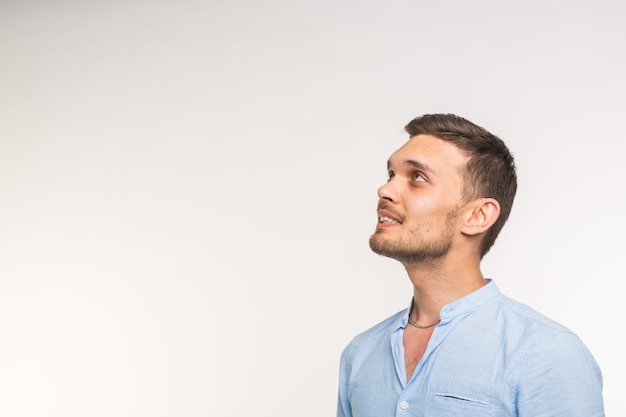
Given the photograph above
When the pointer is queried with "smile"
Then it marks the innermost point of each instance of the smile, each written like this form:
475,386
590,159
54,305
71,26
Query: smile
385,219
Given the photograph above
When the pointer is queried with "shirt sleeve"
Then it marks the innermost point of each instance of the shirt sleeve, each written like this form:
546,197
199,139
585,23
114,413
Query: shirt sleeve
560,378
343,403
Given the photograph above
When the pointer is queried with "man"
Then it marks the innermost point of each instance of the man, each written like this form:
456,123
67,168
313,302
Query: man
461,348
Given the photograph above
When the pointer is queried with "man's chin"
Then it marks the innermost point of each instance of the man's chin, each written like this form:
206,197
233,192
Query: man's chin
383,248
392,250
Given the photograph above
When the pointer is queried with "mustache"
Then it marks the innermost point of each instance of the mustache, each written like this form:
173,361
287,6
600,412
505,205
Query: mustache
382,205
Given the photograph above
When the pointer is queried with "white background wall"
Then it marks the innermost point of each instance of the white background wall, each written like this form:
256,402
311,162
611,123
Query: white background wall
187,188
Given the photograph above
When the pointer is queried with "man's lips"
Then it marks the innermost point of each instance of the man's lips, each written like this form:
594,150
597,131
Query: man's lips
386,218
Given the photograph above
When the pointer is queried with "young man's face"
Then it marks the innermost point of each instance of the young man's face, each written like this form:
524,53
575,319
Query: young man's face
418,207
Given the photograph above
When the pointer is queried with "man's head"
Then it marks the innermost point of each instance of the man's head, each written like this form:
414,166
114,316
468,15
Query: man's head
490,170
449,164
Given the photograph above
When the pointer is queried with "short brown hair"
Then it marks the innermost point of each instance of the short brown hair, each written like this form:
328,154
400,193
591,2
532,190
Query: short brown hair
490,170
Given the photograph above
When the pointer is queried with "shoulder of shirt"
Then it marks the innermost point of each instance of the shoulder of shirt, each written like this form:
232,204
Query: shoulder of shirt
543,339
531,330
530,316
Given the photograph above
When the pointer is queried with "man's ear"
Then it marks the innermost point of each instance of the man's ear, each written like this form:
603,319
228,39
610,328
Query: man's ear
480,216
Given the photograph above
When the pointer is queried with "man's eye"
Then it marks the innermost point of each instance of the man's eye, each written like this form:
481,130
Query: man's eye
418,177
391,174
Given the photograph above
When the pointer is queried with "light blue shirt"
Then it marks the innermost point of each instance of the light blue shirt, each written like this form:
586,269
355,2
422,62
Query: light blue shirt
489,356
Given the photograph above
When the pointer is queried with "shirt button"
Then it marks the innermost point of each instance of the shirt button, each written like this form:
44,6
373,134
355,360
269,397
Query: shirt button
404,405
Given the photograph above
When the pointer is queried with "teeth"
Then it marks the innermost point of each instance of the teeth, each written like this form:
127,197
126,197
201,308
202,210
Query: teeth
384,219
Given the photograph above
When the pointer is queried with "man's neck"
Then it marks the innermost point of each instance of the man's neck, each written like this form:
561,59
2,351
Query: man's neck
437,284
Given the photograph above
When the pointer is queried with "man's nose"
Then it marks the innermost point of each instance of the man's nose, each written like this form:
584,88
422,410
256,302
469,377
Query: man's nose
388,191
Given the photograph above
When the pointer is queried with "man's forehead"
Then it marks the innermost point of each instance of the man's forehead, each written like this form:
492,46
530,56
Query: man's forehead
412,163
427,152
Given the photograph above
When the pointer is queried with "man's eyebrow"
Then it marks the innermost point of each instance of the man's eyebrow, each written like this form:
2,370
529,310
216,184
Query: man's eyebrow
415,164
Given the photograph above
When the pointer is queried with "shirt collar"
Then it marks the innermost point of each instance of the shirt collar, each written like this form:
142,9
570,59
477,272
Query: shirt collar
459,307
471,301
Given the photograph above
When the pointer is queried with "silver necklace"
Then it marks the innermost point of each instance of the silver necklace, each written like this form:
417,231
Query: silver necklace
419,326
